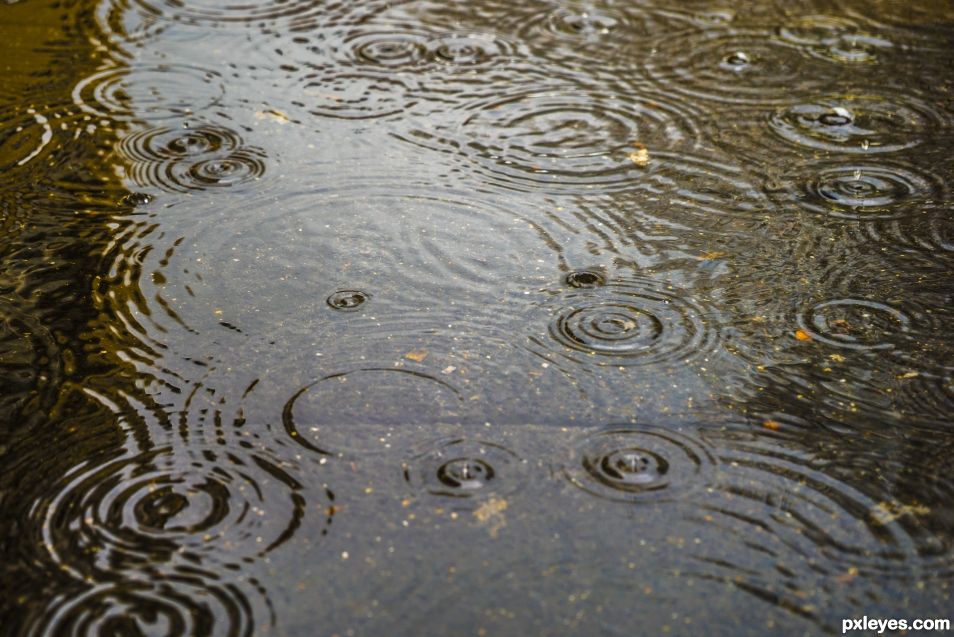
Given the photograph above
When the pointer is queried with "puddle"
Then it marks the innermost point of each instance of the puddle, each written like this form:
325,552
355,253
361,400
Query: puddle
484,318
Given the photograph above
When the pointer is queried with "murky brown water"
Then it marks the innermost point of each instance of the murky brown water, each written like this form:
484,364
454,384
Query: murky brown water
484,318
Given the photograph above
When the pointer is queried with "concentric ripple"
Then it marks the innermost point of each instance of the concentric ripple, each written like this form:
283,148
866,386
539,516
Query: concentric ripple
627,464
30,363
148,92
464,468
23,139
135,511
930,236
332,415
739,67
406,247
929,397
182,606
243,165
154,144
836,39
868,191
122,26
629,323
469,49
353,95
585,23
836,510
708,190
562,139
856,324
863,125
557,32
184,159
212,13
387,49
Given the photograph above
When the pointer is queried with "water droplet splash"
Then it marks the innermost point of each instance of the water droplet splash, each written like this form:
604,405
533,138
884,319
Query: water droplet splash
629,322
466,469
881,190
636,464
840,125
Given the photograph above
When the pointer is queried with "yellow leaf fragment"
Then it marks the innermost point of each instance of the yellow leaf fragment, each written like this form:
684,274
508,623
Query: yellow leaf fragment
802,335
416,355
640,156
838,358
909,375
273,115
847,576
710,256
491,515
771,424
889,511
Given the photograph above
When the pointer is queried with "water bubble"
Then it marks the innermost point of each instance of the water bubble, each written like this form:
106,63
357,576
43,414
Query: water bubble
630,322
837,117
630,469
466,474
738,60
148,91
635,464
137,199
585,278
588,23
348,300
466,469
842,124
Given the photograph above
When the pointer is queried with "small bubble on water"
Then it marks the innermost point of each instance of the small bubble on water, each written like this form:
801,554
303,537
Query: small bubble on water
347,300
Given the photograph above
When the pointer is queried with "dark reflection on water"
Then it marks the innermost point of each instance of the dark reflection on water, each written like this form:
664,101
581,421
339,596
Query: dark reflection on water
492,317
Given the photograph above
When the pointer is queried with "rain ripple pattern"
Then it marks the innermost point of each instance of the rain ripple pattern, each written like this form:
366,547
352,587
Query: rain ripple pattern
551,317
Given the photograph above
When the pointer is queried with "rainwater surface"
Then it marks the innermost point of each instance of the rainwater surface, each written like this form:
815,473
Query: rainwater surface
475,318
